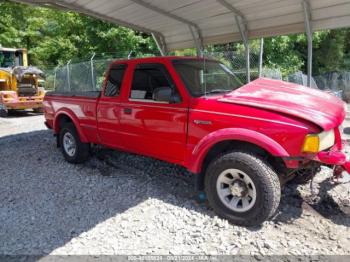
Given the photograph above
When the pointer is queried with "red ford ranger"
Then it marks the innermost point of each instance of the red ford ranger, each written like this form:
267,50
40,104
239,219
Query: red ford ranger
243,142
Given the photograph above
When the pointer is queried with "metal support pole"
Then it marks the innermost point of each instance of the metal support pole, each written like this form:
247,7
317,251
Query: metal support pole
244,34
308,30
68,74
247,58
243,30
92,71
161,45
197,41
54,80
154,8
261,56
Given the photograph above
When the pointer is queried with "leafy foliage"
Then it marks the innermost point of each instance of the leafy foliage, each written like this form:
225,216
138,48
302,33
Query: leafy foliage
289,53
53,37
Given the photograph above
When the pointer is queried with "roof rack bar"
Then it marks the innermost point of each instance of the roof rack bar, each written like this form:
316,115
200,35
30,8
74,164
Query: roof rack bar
308,31
243,30
198,40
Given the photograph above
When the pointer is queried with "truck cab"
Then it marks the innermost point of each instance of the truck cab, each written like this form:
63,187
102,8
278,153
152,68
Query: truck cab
242,141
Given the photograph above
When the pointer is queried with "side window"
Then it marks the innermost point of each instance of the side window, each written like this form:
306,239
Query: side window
152,82
115,80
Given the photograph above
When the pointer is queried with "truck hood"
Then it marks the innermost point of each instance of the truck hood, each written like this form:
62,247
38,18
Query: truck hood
318,107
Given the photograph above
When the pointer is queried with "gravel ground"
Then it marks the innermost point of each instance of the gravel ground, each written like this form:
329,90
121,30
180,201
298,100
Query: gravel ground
119,203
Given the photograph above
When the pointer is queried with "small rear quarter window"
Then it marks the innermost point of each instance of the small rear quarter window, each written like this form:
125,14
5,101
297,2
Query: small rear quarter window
114,80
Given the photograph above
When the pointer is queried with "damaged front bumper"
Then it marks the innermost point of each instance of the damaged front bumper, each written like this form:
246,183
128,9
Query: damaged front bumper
336,157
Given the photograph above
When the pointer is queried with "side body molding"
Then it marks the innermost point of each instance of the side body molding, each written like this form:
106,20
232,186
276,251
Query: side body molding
196,157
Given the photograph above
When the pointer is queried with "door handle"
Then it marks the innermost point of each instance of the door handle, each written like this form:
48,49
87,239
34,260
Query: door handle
127,111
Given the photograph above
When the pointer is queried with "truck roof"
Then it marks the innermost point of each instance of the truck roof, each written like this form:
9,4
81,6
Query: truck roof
157,59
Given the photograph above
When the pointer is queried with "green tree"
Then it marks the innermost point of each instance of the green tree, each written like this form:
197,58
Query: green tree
330,52
53,37
285,53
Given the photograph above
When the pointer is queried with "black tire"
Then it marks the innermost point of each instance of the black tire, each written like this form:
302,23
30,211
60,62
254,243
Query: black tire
303,176
82,150
3,113
264,178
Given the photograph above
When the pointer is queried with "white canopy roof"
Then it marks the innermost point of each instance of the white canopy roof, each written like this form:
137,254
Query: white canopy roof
211,21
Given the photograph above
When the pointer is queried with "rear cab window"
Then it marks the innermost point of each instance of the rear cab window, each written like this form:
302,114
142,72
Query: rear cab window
114,80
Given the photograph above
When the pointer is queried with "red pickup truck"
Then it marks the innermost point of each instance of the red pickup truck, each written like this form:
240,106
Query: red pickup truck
243,141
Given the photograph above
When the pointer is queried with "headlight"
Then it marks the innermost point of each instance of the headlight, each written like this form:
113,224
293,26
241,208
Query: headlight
315,143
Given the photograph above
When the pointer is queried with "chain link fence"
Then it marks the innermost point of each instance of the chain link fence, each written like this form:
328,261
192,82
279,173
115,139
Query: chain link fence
82,76
337,83
88,75
237,62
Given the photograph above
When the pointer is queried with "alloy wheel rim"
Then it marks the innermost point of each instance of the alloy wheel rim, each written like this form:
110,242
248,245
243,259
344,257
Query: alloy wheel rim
236,190
69,144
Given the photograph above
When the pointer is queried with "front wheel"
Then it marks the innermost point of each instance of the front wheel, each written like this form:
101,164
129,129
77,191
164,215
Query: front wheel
242,188
39,110
3,112
74,151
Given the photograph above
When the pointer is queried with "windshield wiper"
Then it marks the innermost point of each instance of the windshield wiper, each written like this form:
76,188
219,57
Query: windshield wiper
216,91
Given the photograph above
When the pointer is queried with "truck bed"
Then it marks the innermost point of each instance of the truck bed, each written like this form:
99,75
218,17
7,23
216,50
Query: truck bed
92,94
80,106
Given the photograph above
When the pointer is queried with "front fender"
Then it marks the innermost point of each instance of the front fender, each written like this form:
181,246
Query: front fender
195,160
67,112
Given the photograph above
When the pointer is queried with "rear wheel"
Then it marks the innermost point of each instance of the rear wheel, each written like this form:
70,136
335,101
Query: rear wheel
242,188
74,151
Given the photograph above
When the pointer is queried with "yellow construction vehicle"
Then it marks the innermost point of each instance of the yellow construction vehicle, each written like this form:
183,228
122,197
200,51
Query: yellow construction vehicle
21,86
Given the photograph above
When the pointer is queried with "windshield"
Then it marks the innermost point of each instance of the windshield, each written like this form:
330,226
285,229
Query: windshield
10,59
203,77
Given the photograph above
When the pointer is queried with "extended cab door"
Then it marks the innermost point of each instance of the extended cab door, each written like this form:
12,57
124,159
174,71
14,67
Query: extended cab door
109,106
149,126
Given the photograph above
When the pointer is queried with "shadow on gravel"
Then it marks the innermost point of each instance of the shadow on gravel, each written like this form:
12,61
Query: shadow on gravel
21,113
181,182
323,204
328,208
45,202
290,207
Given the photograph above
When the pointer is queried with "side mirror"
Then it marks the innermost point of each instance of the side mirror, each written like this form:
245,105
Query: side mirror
165,94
